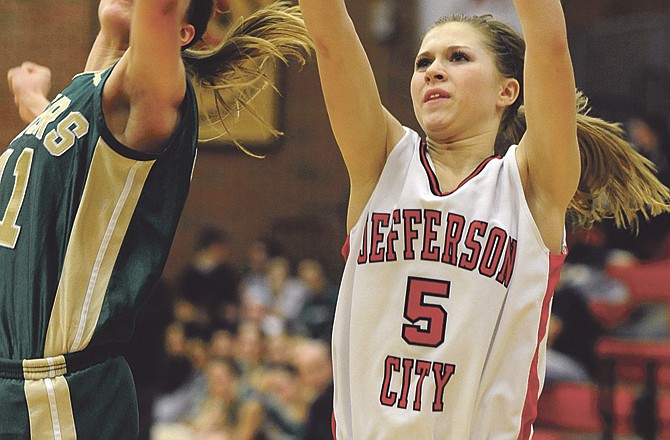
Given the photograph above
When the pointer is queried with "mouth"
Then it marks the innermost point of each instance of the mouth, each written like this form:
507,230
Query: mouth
435,94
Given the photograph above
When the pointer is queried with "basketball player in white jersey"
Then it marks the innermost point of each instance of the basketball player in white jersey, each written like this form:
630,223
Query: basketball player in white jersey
456,242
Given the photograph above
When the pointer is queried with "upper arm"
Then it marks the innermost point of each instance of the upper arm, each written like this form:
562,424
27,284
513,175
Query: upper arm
143,95
548,152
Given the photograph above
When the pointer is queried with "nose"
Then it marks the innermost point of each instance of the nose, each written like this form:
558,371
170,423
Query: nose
435,72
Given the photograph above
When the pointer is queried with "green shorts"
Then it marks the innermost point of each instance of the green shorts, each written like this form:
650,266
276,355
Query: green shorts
96,402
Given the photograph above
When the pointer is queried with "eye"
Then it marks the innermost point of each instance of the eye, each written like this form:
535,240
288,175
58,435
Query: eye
458,55
423,63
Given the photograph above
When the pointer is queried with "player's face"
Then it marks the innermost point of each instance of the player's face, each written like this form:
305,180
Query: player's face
455,84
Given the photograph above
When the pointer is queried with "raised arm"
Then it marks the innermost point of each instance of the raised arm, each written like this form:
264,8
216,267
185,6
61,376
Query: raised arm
548,152
112,40
143,95
30,84
364,130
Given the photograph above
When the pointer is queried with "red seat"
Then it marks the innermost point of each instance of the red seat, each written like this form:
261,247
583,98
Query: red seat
574,407
546,435
647,282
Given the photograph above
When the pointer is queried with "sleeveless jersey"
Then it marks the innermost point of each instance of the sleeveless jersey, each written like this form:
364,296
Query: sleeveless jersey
86,226
443,308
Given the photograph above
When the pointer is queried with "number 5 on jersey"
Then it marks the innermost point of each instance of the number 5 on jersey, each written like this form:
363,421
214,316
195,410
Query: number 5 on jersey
9,230
417,310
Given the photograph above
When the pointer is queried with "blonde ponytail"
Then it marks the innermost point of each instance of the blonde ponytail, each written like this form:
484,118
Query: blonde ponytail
236,70
616,181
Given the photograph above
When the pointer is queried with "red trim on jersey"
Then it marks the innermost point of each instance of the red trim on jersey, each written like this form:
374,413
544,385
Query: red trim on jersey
346,248
532,392
432,177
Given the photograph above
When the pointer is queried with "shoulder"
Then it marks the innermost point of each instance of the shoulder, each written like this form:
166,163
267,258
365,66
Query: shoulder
409,142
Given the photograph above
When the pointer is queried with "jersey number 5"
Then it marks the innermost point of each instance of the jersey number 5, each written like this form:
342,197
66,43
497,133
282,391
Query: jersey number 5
417,309
9,230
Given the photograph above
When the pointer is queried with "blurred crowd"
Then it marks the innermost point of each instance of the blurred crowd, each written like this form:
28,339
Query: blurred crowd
232,351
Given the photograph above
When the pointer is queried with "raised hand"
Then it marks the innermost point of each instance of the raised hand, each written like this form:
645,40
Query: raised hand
30,84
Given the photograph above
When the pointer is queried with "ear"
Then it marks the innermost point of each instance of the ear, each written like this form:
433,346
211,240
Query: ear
509,92
186,34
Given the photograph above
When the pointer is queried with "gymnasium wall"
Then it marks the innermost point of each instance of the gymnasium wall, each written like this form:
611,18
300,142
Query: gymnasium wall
298,193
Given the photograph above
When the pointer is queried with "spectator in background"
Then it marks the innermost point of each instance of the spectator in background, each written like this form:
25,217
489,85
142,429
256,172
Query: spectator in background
222,343
254,285
276,304
260,251
249,353
225,411
313,361
649,134
315,319
209,286
284,407
279,348
187,355
174,367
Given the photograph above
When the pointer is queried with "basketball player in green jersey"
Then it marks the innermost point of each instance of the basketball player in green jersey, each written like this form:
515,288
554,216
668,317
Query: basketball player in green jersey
90,196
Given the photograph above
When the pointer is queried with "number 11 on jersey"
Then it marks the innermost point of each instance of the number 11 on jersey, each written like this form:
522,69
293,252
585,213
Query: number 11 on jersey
9,230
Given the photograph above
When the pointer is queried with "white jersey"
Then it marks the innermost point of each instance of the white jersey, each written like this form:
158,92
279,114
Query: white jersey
444,305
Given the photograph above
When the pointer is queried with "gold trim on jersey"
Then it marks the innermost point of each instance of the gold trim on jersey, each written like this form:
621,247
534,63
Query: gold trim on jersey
113,188
49,409
111,193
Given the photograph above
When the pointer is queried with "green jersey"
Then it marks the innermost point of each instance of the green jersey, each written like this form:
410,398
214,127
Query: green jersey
86,225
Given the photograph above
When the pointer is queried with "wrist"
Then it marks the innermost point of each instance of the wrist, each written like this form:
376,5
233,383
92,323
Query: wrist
30,105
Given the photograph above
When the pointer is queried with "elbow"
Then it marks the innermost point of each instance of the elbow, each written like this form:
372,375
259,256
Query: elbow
323,47
549,42
557,44
154,124
160,125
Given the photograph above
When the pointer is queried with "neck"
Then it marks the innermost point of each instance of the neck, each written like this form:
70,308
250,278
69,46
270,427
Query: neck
454,161
462,153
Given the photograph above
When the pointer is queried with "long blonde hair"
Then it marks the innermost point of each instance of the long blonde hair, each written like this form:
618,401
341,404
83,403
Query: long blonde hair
616,181
236,69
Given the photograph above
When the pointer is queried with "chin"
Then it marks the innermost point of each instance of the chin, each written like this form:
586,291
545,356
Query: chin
435,126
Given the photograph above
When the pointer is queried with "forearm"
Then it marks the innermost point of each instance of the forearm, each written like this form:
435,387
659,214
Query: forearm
328,23
106,50
543,22
31,106
113,39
